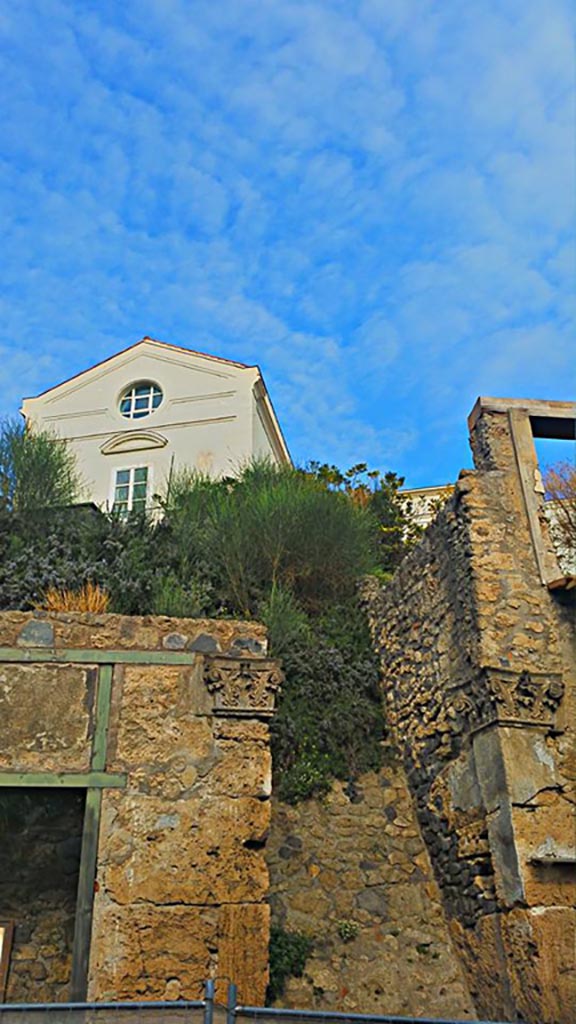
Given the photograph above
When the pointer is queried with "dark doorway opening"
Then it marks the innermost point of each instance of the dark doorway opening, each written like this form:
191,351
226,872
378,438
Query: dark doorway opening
40,845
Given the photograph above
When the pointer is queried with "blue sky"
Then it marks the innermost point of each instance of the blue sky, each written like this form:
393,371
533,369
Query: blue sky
372,199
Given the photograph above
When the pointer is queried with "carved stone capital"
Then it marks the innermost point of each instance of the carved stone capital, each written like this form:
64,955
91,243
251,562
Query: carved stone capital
517,698
242,686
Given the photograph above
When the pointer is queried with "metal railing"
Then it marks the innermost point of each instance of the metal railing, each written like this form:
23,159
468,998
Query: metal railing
235,1012
201,1011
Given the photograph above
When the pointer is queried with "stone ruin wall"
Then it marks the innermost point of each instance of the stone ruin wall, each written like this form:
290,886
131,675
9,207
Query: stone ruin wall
181,882
479,678
39,861
442,885
353,872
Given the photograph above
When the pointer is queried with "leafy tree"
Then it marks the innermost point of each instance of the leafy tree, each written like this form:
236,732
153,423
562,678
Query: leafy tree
379,495
37,469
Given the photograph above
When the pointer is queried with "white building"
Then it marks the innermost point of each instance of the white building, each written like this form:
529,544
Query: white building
153,409
423,503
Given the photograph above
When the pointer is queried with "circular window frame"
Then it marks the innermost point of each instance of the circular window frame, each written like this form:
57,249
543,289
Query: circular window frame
129,390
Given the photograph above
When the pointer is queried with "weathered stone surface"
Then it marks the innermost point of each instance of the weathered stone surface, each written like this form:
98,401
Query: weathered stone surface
189,851
157,717
241,953
36,634
243,687
248,645
479,678
39,862
204,644
335,863
142,949
45,717
181,876
121,632
175,641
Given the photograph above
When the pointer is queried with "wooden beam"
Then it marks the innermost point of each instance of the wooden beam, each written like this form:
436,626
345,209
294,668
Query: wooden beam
85,896
64,780
90,835
527,464
103,698
535,407
93,656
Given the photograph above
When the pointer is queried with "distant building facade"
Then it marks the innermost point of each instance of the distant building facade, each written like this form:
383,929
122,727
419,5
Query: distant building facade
153,409
423,503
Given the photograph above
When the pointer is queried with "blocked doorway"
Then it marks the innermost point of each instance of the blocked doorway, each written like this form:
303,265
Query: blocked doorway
40,848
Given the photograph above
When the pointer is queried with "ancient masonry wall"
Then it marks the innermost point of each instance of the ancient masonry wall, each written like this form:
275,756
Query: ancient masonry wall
181,883
352,871
39,862
479,677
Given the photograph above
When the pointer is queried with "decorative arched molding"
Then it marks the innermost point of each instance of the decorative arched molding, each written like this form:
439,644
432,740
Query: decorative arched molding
135,441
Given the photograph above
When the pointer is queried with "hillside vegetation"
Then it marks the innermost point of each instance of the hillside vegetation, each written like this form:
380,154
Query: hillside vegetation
287,546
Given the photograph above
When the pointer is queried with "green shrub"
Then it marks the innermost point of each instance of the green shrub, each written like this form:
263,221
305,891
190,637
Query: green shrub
37,470
347,930
329,722
277,543
286,621
170,597
289,952
272,527
65,548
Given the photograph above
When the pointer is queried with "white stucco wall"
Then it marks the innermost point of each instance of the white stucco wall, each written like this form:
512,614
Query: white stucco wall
424,502
208,418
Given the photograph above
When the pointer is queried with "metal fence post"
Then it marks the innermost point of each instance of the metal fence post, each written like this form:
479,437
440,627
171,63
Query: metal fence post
209,1002
231,1003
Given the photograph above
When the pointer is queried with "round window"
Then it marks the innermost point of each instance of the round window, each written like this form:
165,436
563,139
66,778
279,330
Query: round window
140,400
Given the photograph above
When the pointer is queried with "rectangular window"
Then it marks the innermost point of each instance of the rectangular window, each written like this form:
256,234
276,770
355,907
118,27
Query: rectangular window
131,489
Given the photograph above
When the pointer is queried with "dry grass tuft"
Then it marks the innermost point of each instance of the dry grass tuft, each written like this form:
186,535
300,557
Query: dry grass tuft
90,598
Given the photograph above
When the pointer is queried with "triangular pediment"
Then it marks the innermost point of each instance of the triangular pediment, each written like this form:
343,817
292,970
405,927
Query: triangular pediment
197,363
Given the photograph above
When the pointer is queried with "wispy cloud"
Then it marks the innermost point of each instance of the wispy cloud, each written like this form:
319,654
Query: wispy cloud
371,200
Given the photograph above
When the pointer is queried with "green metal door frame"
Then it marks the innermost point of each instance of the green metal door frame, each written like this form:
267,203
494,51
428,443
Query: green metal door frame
93,781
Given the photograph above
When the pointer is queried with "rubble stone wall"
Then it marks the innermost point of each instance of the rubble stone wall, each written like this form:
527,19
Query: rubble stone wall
181,882
39,862
478,661
353,872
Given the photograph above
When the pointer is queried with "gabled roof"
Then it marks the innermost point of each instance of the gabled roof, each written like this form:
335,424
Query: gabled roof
145,340
260,390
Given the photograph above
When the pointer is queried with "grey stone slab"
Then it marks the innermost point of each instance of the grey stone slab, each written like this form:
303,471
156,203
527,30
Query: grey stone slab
36,633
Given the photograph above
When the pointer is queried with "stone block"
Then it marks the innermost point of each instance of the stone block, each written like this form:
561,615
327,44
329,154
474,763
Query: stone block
540,946
36,633
46,717
241,953
156,718
137,951
529,763
175,641
190,851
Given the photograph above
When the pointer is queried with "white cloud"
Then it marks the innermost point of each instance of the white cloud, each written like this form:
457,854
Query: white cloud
370,199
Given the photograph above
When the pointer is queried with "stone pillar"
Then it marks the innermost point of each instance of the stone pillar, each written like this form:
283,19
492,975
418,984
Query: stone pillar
524,760
480,684
182,882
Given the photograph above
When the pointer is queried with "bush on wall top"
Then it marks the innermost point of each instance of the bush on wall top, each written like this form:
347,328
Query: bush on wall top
283,544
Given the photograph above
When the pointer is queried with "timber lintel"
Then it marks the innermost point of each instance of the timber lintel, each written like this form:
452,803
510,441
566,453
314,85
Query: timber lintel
65,780
97,656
